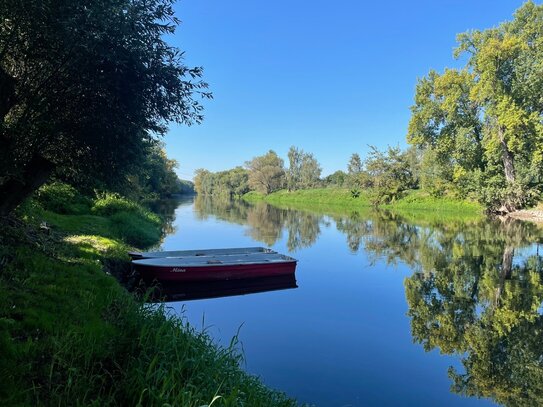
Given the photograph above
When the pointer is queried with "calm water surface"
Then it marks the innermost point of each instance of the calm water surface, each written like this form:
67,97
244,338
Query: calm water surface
388,311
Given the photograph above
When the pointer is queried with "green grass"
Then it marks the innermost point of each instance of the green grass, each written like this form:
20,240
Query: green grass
71,335
320,196
415,203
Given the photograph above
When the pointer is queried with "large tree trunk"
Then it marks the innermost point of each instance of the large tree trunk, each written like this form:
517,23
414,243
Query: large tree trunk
506,271
507,157
14,191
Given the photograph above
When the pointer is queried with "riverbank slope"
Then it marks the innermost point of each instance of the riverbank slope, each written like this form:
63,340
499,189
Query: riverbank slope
71,335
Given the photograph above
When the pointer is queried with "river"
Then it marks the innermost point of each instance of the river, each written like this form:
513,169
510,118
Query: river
389,309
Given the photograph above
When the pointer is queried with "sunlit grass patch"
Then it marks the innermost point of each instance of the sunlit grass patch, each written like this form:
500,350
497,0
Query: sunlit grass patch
71,335
418,202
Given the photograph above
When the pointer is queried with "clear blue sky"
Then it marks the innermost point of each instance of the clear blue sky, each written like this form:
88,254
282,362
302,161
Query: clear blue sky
328,77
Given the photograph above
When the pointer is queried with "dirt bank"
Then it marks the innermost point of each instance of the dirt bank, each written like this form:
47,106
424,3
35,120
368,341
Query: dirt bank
532,215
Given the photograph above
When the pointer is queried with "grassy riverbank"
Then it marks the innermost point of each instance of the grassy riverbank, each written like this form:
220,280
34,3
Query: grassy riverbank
71,335
415,201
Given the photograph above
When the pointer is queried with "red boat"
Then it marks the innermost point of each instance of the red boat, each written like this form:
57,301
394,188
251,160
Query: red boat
215,267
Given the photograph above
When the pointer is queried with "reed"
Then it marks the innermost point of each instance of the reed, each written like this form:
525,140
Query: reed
71,335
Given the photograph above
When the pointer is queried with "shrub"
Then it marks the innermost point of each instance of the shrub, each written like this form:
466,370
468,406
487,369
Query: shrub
62,198
355,193
108,204
135,229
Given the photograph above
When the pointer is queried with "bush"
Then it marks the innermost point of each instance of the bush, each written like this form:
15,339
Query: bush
135,229
62,198
108,204
131,222
509,198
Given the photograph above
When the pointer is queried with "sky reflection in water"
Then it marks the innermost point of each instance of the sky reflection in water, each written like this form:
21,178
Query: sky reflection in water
388,312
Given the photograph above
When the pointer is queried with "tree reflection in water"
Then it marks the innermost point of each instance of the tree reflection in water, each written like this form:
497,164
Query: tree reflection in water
267,223
476,289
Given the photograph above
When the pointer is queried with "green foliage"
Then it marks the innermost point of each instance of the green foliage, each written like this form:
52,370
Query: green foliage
155,176
337,179
140,231
130,221
71,335
330,199
482,124
390,173
62,198
354,171
319,196
266,173
418,200
225,184
108,204
304,170
355,193
92,343
85,86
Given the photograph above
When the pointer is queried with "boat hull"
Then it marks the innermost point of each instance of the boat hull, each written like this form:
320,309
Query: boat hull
214,273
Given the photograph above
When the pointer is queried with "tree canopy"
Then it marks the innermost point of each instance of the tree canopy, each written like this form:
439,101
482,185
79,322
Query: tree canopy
304,170
483,124
266,173
85,86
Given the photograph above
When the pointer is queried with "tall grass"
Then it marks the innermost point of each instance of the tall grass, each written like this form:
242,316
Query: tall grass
71,335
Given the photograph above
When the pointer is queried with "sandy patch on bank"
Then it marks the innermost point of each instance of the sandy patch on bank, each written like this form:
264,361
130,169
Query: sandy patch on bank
532,215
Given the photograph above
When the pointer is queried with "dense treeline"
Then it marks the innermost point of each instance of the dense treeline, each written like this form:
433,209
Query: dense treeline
264,174
156,177
85,90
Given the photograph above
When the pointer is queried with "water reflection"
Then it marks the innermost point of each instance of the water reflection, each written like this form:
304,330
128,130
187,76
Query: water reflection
267,223
476,290
216,289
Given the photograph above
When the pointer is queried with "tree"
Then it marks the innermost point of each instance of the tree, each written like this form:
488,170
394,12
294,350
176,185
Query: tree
203,181
304,170
354,169
266,173
226,184
390,173
337,178
310,172
84,86
485,120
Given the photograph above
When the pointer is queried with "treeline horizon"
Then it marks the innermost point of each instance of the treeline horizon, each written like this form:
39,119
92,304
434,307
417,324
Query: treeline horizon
475,132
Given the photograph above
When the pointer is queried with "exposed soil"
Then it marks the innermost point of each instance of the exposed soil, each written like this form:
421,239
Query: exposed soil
532,215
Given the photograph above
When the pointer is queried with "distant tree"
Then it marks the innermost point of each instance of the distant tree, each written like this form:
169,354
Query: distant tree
355,165
390,173
304,170
237,181
293,173
157,174
187,187
266,173
203,181
84,85
337,178
310,172
226,184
